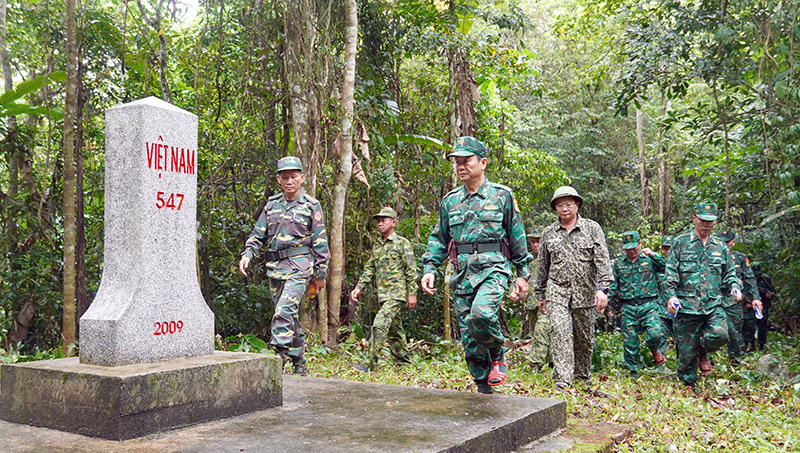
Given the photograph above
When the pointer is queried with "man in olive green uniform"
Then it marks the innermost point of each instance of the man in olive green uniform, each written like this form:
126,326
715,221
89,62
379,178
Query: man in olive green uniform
733,309
663,314
481,229
394,267
635,285
573,274
699,274
292,229
767,293
540,346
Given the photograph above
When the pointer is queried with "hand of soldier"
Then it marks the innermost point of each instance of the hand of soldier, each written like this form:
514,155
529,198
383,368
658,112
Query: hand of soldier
520,290
757,303
427,283
737,294
243,263
411,302
600,301
648,252
671,306
354,294
542,305
319,283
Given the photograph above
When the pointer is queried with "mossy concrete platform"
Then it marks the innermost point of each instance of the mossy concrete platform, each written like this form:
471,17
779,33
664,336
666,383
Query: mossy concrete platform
322,415
130,401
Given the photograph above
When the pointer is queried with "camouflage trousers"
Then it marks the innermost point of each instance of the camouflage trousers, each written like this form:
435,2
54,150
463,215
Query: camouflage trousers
387,327
637,320
287,334
479,322
748,328
571,341
540,347
666,329
733,316
693,332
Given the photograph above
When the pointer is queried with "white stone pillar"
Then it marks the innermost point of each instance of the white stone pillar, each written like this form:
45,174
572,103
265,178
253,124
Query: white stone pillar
149,306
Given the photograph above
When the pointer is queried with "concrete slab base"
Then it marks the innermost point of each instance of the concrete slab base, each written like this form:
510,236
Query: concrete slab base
322,415
130,401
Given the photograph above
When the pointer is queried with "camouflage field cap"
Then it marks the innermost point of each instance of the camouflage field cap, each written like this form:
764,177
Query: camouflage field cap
467,146
756,266
630,239
726,235
706,211
289,163
386,211
667,241
535,235
565,191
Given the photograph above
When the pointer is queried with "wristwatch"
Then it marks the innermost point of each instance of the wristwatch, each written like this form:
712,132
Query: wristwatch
604,290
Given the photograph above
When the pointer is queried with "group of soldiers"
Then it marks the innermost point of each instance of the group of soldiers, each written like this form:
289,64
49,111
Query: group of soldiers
692,292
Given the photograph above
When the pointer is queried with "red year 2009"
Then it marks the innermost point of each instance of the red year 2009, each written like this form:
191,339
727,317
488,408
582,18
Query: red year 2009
168,201
168,327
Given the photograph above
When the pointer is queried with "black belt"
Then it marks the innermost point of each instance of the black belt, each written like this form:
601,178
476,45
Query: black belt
278,255
639,301
479,247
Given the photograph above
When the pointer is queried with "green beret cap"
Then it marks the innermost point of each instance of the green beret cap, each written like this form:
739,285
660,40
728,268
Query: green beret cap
630,239
467,146
290,163
706,211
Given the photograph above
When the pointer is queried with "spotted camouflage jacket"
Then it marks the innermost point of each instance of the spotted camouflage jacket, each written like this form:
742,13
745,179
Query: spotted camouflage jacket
284,224
394,267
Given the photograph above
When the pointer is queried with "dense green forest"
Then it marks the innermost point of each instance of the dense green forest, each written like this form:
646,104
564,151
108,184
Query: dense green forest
644,107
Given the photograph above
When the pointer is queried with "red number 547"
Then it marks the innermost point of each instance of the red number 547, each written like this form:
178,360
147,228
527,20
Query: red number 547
169,202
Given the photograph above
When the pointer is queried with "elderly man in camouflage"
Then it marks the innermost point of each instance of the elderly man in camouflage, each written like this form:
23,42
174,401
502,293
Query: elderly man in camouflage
292,228
699,273
734,310
394,267
481,229
573,274
635,285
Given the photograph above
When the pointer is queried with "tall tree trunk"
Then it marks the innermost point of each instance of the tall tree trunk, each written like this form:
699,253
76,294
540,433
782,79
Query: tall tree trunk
336,268
81,297
13,159
70,107
300,24
642,164
467,121
664,179
155,23
723,119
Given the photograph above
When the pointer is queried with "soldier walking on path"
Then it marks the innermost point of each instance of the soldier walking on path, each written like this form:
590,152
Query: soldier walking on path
481,230
573,274
292,229
394,267
540,346
699,273
767,293
635,285
663,314
734,310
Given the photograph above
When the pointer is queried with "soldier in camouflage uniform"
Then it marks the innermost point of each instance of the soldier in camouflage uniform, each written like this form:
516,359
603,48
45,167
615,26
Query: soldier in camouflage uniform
540,346
767,293
292,228
481,230
573,274
394,267
699,274
733,309
663,314
635,285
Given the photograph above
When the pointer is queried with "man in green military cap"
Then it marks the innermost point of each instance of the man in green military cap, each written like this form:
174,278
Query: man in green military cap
734,310
292,228
394,267
699,271
663,314
481,229
635,285
573,274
